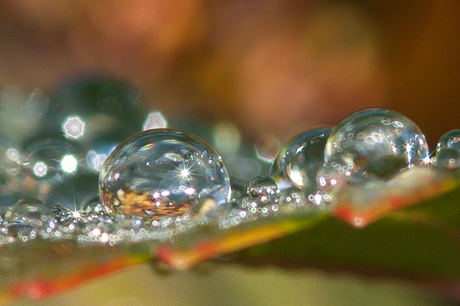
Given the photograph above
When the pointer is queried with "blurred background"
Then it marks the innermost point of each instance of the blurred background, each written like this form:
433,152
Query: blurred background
271,68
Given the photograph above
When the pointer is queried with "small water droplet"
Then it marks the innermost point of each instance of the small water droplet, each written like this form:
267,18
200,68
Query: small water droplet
264,189
27,215
448,150
299,159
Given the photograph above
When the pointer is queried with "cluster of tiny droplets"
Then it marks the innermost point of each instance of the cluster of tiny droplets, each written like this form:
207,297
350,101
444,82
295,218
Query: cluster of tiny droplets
51,179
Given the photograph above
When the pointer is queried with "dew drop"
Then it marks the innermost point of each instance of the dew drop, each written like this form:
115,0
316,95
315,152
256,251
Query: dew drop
371,144
162,172
264,189
448,150
299,159
28,214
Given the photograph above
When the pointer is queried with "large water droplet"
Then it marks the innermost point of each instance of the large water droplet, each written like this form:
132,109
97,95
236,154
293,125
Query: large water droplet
371,144
299,159
448,150
163,172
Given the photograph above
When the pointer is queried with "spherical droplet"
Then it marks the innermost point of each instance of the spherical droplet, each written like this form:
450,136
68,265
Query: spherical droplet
372,143
162,172
299,159
264,189
448,150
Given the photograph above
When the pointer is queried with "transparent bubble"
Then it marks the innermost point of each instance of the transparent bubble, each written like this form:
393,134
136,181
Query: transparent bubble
320,198
29,212
299,159
163,172
264,189
448,150
371,144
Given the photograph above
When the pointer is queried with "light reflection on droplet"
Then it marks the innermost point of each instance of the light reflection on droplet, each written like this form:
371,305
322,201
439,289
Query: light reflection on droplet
448,150
371,144
181,172
299,159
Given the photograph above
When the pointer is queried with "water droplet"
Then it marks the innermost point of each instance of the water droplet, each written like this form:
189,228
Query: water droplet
371,144
264,189
299,159
448,150
28,213
162,172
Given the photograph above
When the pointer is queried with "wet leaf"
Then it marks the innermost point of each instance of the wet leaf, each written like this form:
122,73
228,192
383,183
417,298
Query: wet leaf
420,242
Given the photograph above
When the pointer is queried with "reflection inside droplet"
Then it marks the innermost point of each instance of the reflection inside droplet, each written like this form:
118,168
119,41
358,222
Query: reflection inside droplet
371,144
162,172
